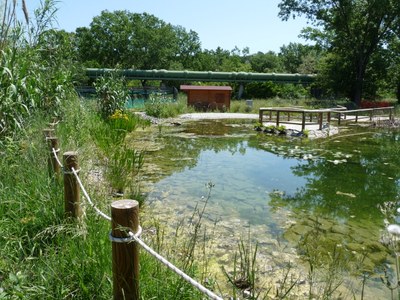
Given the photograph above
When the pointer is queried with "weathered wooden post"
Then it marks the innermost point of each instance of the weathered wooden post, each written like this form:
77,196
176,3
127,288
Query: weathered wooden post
53,122
320,120
303,120
125,254
277,118
71,185
48,132
54,167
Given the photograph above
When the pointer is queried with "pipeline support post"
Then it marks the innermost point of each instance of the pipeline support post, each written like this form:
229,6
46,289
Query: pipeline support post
71,185
125,255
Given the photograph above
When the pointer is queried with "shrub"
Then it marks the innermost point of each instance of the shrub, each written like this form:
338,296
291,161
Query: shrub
112,94
160,106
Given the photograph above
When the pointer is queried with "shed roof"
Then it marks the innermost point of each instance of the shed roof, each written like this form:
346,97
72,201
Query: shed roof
205,88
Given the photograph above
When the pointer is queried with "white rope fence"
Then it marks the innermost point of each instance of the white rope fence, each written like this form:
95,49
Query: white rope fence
184,276
135,237
55,151
87,196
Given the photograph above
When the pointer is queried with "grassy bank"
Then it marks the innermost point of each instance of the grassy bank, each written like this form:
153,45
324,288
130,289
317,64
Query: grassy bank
43,255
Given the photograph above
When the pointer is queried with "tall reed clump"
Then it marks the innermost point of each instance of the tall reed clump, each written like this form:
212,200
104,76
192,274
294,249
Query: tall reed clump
243,276
43,255
35,76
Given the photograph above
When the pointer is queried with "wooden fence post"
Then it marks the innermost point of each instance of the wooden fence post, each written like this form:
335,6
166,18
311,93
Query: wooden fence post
48,132
125,255
71,186
54,167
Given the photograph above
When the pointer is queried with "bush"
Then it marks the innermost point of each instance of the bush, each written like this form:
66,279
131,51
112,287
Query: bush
261,90
159,106
112,94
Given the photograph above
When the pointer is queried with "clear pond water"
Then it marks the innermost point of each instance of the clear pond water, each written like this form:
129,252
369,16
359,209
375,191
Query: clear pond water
283,190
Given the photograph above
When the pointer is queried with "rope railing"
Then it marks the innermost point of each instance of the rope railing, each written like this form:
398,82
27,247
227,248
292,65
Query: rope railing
85,193
55,151
172,267
133,236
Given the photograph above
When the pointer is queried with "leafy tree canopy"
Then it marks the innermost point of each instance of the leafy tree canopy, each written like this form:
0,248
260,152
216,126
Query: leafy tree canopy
131,40
352,30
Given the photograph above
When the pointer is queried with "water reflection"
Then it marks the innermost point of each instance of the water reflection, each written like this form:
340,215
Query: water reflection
279,187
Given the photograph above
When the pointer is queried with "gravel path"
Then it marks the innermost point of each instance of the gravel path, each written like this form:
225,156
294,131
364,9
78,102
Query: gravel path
214,116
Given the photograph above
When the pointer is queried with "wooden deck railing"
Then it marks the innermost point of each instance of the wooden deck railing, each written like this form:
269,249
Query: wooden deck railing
303,117
297,115
366,114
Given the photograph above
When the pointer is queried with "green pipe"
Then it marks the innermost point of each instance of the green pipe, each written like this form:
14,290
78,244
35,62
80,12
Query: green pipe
240,77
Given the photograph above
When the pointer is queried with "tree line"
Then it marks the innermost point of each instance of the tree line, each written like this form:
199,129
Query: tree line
354,47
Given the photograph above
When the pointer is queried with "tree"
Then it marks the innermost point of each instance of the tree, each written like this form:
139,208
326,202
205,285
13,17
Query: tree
266,62
353,30
130,40
189,47
293,55
394,65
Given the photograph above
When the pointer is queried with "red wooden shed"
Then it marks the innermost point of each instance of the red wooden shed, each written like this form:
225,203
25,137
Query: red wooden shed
208,97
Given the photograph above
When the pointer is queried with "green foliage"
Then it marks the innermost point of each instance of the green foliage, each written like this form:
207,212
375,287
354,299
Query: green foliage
292,56
353,31
29,81
112,93
123,165
160,106
243,276
269,89
154,44
266,62
266,89
292,91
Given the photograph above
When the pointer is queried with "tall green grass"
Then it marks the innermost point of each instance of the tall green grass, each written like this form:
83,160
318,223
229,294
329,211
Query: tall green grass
45,256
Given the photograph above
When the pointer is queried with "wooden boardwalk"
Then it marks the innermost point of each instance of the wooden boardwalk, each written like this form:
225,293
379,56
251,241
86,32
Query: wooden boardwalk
307,117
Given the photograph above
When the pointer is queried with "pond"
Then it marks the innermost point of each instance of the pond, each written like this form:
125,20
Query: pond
300,200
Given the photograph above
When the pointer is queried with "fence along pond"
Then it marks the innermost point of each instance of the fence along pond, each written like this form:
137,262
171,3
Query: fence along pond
125,233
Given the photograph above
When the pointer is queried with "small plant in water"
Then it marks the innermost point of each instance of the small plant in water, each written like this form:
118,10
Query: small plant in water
391,238
123,165
258,126
243,276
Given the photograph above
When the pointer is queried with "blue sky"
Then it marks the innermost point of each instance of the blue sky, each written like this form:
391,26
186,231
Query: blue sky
225,23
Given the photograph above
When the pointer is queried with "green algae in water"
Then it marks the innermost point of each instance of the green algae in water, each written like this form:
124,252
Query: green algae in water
283,187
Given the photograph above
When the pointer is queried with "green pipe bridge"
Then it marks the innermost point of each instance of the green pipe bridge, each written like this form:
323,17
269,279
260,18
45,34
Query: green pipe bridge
238,77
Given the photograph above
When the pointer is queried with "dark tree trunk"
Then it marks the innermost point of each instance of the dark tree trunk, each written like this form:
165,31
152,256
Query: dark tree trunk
357,92
398,90
357,86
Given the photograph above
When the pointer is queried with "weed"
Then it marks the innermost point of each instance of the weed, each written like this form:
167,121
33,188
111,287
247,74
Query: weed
243,276
123,165
112,93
